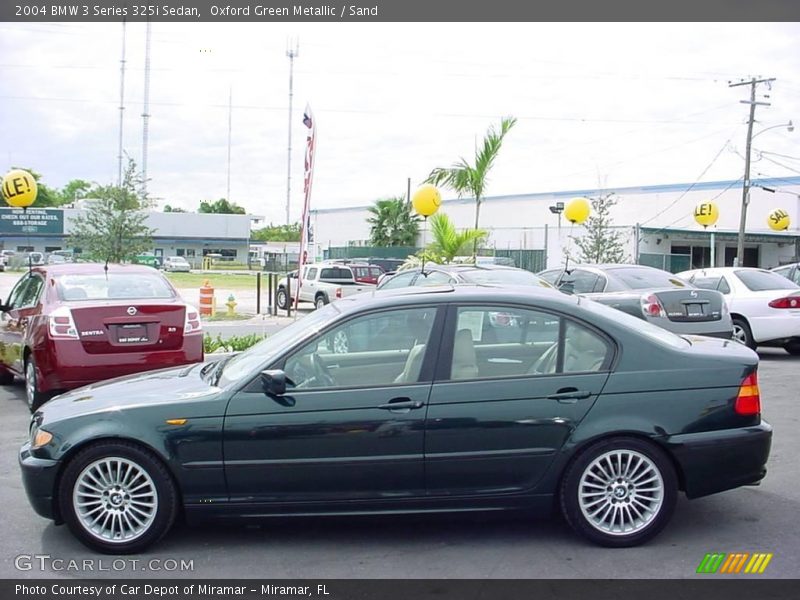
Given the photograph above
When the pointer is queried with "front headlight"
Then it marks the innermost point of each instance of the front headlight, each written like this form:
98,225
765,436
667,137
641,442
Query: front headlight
40,438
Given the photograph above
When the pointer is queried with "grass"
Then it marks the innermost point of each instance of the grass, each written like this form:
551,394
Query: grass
227,281
222,315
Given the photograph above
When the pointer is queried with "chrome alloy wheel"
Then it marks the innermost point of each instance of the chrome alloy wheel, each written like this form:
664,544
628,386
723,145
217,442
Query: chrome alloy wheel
739,334
30,383
621,492
115,499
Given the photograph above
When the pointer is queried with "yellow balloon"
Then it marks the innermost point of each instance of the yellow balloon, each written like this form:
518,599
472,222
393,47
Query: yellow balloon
19,188
577,211
426,200
778,220
706,213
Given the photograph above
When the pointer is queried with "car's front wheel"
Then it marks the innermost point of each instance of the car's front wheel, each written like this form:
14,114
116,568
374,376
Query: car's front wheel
282,298
117,498
793,348
619,492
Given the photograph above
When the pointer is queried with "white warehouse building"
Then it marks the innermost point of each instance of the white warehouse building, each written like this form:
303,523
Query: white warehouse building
657,223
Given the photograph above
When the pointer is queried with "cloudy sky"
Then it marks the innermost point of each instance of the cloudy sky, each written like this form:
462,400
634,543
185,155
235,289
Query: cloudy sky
622,105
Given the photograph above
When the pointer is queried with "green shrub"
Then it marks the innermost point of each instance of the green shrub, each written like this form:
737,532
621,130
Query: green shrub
235,343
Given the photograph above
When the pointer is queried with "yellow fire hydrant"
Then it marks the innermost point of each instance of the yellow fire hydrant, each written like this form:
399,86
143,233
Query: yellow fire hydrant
231,304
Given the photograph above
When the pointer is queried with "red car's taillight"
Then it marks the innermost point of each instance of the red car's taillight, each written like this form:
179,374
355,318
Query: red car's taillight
192,323
788,302
62,325
748,402
651,307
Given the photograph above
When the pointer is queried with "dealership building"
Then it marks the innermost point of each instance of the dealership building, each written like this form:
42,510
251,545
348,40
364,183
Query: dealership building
656,224
191,235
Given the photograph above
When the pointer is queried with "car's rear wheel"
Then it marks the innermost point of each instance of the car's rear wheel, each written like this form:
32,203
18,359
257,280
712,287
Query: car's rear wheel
282,298
117,498
619,492
33,393
742,333
320,301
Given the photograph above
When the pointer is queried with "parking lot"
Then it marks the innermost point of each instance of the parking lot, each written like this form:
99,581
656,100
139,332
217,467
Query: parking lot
750,519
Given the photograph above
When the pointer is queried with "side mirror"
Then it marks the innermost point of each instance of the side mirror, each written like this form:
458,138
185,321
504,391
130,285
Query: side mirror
273,382
4,307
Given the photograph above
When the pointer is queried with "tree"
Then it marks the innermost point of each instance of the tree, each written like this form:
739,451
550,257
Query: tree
600,243
392,223
277,233
221,206
448,242
74,190
173,209
464,178
113,229
45,196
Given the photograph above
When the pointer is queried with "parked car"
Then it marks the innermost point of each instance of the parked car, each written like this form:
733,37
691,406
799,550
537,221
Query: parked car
791,272
650,294
764,305
177,264
436,274
322,283
5,258
603,415
148,259
56,259
69,325
365,273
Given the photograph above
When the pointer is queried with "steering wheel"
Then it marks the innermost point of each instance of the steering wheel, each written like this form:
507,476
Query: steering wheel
321,372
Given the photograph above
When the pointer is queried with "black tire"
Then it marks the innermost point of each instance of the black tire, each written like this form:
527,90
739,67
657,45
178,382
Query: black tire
658,506
166,497
282,299
6,377
793,348
320,300
34,396
742,333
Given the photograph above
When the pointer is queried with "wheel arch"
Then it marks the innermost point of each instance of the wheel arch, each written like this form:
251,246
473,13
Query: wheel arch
73,451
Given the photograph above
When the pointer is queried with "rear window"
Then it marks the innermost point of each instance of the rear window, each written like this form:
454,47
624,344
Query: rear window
336,273
642,327
759,281
503,276
112,287
640,279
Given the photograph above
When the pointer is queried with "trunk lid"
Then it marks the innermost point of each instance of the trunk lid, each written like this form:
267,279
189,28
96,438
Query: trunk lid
691,305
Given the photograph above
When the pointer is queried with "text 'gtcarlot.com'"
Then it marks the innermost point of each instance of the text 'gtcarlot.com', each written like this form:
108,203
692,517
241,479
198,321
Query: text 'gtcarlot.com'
45,562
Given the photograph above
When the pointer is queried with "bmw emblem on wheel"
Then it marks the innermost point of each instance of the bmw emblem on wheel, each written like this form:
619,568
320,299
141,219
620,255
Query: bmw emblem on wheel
131,310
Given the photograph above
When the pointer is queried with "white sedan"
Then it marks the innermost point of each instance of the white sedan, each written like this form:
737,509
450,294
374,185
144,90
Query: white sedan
764,306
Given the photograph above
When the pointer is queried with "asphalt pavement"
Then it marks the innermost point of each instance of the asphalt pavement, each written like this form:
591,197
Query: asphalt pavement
750,519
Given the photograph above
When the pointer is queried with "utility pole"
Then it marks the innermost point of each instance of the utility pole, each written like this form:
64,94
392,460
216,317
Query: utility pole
746,183
146,111
291,53
121,106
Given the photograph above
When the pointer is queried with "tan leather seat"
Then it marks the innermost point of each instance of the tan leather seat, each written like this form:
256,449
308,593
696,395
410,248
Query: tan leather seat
465,362
413,365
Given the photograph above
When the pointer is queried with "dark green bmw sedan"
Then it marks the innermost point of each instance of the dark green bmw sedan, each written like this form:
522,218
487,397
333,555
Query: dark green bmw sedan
467,398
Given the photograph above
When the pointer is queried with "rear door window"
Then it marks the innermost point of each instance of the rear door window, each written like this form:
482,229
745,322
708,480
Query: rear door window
759,281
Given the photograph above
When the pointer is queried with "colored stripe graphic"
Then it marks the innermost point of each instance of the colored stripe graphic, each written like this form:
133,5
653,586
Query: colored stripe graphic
758,563
735,562
711,562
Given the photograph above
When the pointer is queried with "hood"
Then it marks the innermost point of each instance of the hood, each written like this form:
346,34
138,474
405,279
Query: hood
173,385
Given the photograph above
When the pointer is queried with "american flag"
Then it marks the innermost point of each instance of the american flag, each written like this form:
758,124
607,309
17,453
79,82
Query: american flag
306,235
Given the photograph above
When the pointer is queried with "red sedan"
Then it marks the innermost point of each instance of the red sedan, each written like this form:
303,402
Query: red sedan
69,325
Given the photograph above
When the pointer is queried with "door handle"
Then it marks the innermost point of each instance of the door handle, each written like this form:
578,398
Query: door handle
401,404
569,395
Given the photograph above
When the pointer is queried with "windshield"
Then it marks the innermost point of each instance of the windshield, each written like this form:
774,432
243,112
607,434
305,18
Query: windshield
640,279
504,276
259,356
655,333
760,281
112,286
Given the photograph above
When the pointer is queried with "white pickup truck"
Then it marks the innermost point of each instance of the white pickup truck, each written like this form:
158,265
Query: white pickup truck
322,283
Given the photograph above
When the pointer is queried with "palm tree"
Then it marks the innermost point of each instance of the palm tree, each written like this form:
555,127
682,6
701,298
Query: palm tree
392,223
464,178
448,242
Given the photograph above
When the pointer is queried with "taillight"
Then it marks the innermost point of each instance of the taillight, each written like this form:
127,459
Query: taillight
651,307
192,323
61,324
748,402
338,292
788,302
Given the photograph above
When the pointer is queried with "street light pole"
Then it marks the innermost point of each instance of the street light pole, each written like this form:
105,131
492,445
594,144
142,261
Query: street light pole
746,183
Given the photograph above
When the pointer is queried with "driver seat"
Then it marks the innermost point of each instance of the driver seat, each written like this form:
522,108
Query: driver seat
413,366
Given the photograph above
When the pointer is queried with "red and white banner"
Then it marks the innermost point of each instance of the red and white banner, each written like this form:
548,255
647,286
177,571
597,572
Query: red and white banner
308,178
